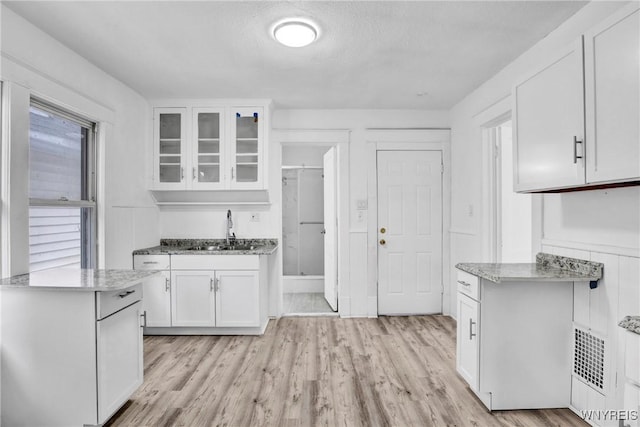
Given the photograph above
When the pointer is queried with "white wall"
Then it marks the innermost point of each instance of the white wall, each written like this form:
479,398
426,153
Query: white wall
598,225
35,63
354,292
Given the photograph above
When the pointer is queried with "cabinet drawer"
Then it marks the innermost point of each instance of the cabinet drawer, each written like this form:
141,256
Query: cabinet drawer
109,302
631,356
151,262
215,262
468,284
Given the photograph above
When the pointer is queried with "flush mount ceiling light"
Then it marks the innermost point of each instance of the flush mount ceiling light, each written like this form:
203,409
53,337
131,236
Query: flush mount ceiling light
295,32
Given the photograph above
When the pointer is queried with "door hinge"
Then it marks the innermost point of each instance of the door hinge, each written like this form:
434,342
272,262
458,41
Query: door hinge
442,168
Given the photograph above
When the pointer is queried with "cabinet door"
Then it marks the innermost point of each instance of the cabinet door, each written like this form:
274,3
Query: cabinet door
238,298
612,97
468,357
246,148
192,298
119,358
549,125
207,159
631,405
170,148
156,299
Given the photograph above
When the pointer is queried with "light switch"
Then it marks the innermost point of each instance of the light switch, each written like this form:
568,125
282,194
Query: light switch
255,217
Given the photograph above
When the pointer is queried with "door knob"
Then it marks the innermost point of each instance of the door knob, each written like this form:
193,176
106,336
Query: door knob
382,241
383,230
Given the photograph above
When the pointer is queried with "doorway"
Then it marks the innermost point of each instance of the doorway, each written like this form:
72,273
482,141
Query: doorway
307,239
512,212
410,210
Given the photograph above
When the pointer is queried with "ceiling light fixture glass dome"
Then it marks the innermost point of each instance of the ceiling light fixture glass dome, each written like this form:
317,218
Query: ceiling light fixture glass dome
295,32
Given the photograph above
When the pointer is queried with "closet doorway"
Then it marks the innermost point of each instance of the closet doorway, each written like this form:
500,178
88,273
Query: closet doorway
309,235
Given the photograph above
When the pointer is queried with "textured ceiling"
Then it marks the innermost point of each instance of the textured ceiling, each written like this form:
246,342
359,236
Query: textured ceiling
369,55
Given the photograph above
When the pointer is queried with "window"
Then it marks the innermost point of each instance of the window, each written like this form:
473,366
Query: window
62,205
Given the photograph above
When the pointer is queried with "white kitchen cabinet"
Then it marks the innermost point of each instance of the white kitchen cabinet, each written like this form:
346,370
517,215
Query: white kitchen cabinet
548,124
209,294
632,378
575,119
208,150
170,148
157,289
468,340
237,298
612,98
193,298
120,365
210,146
514,341
69,357
246,148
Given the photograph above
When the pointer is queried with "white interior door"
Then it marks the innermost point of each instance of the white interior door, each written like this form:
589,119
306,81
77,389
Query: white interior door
331,230
409,232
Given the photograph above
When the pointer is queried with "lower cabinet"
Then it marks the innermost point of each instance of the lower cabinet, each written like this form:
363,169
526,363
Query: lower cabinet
632,382
193,298
514,342
237,298
468,340
157,300
205,294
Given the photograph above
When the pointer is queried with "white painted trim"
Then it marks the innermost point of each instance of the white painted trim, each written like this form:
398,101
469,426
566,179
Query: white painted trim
590,247
104,129
54,91
340,139
5,153
321,137
405,139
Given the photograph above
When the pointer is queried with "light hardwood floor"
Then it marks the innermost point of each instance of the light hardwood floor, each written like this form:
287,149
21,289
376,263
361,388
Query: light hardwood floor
306,371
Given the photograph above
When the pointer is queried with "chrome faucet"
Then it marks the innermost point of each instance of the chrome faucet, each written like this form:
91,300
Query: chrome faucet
231,237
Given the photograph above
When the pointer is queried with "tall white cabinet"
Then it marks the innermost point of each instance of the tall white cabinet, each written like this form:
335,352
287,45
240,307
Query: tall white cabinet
210,145
576,117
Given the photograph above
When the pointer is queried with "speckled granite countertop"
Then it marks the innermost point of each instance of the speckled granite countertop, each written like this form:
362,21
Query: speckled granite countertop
550,268
73,279
631,323
184,247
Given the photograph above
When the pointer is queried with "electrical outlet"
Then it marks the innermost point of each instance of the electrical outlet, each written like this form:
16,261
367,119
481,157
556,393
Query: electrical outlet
255,217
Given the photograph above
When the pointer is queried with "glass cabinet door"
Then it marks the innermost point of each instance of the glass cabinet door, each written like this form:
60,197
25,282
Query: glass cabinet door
170,124
247,146
208,152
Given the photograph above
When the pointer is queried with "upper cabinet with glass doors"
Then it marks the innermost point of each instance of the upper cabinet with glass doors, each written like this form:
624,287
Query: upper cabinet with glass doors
198,147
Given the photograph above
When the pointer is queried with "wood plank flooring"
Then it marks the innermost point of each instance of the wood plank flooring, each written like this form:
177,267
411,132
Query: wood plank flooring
308,371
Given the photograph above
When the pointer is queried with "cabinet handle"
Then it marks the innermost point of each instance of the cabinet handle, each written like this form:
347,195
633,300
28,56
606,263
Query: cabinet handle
211,285
217,284
463,283
194,173
233,175
144,317
471,323
167,284
575,150
150,262
181,174
125,294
